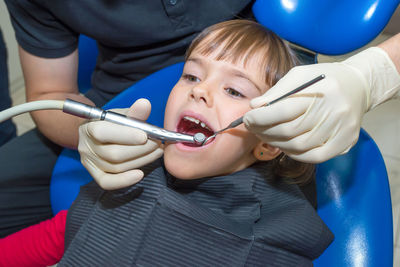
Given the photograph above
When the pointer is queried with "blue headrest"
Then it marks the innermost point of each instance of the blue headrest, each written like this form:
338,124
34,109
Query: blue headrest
328,27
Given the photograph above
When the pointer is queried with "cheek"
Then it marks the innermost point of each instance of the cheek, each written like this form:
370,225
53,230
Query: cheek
168,118
231,110
242,138
239,141
171,109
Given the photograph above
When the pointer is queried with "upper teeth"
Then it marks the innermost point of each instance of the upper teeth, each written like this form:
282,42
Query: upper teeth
202,124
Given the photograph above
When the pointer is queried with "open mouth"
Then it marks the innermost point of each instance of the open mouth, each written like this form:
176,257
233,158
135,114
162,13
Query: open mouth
190,125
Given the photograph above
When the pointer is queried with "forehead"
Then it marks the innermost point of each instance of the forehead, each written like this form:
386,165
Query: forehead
250,58
249,64
230,47
241,48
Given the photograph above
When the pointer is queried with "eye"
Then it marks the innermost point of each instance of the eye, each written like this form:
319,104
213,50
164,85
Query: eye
233,92
190,78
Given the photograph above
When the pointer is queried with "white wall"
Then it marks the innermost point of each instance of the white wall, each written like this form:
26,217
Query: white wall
14,67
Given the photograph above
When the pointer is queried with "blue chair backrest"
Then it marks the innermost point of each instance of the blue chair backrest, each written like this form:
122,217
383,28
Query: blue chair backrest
354,201
353,189
88,52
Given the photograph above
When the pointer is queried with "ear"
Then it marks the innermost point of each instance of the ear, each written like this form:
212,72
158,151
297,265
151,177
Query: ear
265,152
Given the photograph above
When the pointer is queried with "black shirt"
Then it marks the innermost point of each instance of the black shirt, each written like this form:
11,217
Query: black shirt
135,38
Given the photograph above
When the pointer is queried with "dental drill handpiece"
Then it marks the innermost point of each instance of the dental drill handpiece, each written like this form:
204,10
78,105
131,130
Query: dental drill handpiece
94,113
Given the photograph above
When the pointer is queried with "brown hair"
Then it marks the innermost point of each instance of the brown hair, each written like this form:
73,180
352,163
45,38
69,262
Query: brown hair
244,39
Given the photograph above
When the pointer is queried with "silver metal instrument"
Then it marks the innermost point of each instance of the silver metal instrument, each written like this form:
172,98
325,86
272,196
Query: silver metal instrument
94,113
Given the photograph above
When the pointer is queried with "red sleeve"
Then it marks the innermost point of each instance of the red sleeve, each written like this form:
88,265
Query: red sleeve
38,245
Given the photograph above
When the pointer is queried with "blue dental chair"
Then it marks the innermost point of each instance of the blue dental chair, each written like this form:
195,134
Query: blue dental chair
353,190
87,62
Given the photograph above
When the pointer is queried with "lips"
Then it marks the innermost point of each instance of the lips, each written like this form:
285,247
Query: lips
192,125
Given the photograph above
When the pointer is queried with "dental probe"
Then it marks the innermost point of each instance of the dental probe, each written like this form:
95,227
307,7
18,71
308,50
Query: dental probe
89,112
240,120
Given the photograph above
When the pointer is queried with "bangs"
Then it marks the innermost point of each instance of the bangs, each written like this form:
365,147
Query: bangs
244,41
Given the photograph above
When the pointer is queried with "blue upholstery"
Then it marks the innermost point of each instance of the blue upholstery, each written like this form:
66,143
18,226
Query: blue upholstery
87,62
353,190
354,201
327,27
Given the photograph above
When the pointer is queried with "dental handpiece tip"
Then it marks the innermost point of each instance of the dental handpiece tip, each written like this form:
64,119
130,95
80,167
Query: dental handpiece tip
199,138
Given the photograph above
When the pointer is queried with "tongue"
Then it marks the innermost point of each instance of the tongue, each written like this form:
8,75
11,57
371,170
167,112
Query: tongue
193,131
191,128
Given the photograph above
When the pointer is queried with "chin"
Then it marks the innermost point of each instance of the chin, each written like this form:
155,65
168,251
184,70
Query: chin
182,174
182,171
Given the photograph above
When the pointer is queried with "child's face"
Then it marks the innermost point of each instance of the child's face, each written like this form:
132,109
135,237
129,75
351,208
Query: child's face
214,93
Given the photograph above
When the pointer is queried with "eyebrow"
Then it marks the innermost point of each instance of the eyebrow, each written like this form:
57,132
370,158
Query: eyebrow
244,76
233,71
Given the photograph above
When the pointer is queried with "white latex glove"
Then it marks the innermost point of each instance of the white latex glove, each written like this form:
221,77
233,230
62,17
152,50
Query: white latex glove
324,120
113,153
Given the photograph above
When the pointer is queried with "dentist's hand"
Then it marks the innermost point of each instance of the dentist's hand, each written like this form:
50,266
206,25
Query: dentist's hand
114,153
323,120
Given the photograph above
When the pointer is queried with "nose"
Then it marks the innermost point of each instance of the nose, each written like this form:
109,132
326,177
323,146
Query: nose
202,93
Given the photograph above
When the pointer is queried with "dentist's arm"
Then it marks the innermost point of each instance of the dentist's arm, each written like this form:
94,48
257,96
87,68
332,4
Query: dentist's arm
392,48
324,120
53,79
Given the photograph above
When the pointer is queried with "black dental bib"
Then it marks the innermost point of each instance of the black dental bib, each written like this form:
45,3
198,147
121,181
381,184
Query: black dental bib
249,218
